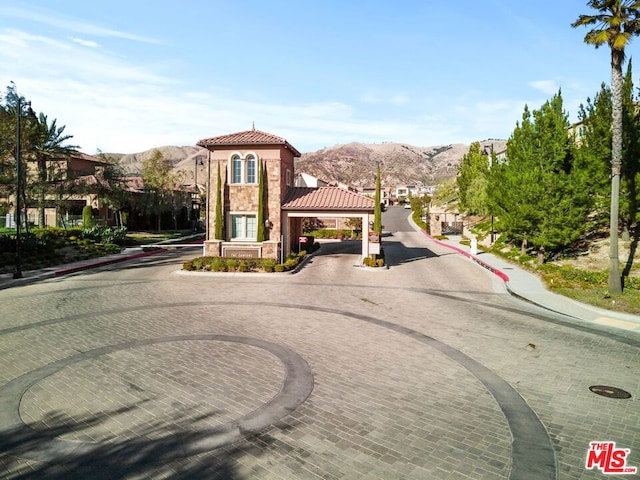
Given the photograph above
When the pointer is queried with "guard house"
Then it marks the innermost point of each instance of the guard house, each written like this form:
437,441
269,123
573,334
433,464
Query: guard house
234,166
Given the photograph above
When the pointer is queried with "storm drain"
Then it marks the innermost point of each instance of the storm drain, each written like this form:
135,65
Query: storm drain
610,392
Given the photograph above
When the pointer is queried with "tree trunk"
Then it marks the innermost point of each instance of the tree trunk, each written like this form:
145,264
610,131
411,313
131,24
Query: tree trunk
615,283
42,183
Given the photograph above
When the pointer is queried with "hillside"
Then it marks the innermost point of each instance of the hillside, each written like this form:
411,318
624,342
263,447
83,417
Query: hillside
401,164
353,163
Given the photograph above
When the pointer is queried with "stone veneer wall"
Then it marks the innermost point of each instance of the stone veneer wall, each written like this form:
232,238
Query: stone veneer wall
244,198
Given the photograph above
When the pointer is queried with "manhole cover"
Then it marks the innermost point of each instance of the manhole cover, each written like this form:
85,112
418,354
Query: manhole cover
611,392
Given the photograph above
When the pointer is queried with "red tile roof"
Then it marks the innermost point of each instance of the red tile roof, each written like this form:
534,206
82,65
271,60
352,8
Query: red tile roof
247,138
89,158
325,198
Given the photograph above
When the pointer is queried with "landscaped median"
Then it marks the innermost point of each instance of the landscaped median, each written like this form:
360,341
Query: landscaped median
229,264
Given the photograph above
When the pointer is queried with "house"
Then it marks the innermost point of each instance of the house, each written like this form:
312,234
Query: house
403,193
233,204
72,183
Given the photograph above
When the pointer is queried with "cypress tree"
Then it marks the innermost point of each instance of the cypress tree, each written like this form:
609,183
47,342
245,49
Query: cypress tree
377,211
260,237
218,234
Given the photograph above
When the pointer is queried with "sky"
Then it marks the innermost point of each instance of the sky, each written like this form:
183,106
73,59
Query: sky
127,76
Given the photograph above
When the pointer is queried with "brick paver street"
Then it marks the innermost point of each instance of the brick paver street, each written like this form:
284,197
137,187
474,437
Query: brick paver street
427,370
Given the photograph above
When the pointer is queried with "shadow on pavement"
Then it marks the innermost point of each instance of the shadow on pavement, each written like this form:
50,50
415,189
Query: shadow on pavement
396,253
28,453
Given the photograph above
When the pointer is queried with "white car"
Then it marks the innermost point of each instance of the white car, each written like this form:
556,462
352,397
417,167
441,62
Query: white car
407,206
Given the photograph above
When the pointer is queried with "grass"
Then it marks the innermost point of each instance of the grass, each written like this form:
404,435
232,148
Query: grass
145,238
584,286
68,246
627,302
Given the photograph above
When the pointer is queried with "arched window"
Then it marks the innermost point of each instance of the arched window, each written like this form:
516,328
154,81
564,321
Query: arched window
251,169
244,168
236,165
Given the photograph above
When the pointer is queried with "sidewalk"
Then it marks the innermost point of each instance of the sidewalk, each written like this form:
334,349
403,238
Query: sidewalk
529,287
129,253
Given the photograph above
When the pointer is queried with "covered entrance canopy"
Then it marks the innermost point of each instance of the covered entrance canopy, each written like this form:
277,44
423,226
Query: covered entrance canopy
323,202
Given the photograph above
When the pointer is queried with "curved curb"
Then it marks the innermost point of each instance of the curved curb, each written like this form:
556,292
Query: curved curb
491,268
100,263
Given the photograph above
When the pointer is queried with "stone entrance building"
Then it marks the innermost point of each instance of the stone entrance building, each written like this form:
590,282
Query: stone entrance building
233,175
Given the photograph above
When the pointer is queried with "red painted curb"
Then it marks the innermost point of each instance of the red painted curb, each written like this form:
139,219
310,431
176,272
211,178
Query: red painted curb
491,268
100,263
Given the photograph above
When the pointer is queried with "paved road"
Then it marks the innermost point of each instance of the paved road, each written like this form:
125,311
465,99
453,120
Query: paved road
427,370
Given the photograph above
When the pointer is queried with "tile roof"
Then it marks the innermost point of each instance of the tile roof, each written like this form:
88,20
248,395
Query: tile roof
89,158
247,138
325,198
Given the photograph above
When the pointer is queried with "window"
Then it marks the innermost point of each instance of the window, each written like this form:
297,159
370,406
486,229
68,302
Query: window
251,169
236,165
244,227
244,168
288,177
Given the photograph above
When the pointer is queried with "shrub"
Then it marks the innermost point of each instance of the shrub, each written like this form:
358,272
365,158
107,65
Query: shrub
243,267
279,268
188,266
218,265
87,220
268,265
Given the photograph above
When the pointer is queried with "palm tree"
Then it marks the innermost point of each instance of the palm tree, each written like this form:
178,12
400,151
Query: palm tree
615,25
47,143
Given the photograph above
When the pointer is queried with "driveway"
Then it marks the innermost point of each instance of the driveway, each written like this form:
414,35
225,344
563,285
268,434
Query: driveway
425,370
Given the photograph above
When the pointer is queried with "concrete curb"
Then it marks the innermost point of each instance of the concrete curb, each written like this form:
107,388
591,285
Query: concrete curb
108,261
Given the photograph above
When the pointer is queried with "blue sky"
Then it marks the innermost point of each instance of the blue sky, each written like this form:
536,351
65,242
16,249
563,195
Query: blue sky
128,76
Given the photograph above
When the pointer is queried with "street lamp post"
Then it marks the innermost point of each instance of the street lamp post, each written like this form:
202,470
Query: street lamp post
17,272
195,201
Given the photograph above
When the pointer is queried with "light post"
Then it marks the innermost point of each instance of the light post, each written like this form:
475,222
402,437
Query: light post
195,199
17,272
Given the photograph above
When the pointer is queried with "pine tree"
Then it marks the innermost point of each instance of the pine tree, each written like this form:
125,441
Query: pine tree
472,181
593,153
537,197
615,24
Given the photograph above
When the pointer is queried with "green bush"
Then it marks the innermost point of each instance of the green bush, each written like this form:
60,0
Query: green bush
268,265
232,264
218,265
87,220
103,234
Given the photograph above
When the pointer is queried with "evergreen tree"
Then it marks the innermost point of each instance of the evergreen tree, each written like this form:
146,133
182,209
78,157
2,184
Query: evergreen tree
537,197
593,151
616,23
219,227
377,209
630,156
472,181
260,237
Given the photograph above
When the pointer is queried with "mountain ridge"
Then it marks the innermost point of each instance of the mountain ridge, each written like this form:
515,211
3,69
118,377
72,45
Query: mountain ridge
353,163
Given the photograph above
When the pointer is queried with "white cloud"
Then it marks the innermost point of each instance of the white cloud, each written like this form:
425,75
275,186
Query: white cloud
51,18
84,43
549,87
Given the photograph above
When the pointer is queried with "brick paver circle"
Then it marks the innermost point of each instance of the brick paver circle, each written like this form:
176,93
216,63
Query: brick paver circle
276,381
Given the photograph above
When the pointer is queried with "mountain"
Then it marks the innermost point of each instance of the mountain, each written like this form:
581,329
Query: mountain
353,164
400,164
